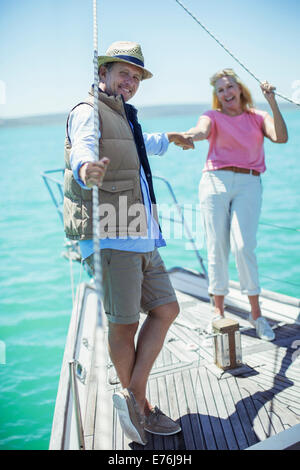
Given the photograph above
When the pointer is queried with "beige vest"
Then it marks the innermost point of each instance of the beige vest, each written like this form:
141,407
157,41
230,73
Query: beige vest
121,208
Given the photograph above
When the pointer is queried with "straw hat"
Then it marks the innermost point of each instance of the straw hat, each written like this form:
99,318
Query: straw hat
128,52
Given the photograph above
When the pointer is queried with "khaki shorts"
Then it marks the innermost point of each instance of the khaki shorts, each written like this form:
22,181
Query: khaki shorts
133,283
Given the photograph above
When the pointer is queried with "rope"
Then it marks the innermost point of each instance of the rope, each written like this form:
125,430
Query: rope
103,399
230,53
95,206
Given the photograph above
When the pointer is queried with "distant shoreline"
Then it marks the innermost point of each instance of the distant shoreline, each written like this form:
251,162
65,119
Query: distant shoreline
145,112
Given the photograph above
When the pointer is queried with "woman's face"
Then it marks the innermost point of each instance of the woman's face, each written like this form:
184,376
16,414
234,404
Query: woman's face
229,94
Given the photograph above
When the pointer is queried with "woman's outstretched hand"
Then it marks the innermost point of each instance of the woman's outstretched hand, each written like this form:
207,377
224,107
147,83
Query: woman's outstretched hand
181,139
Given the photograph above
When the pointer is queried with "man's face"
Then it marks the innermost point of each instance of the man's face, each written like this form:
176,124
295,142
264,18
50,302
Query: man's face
122,79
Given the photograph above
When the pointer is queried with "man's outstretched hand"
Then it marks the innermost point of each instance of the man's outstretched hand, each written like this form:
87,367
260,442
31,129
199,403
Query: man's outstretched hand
92,173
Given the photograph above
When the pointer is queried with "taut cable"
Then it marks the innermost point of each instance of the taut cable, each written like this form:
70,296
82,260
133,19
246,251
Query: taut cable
230,53
103,423
95,207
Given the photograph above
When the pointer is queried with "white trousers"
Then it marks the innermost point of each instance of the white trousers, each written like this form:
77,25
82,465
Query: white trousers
230,205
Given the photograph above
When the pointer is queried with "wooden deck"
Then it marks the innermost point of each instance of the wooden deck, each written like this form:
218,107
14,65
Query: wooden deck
216,409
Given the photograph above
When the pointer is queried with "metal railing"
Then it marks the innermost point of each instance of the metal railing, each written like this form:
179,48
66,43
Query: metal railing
46,175
76,404
184,223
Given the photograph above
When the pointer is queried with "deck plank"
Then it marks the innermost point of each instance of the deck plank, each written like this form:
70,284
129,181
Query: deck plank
209,442
163,404
236,424
171,391
223,414
255,428
193,410
184,410
239,414
206,381
103,396
158,441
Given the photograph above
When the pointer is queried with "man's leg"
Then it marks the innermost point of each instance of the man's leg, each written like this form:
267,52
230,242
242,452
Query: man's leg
122,349
149,345
134,366
138,282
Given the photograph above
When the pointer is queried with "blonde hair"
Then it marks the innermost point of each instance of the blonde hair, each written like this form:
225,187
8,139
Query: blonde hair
246,98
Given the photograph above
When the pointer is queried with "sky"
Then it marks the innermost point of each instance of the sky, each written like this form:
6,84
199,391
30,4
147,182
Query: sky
46,49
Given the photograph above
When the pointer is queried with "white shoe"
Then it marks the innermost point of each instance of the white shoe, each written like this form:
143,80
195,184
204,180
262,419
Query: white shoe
263,329
131,420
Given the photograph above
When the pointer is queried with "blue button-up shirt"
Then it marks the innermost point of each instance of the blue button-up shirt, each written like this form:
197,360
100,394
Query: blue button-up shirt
81,133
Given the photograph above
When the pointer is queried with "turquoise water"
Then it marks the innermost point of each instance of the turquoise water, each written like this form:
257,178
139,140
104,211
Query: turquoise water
36,296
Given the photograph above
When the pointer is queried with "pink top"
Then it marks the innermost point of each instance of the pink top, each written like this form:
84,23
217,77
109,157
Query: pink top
236,140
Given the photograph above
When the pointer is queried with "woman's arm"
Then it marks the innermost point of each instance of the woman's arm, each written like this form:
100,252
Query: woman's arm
201,130
274,127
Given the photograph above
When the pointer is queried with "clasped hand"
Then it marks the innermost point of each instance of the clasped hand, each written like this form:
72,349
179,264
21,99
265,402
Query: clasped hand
183,140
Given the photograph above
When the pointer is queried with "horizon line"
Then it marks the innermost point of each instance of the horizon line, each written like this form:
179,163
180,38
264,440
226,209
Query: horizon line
24,116
140,108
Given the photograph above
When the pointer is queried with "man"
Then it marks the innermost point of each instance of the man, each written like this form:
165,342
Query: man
134,276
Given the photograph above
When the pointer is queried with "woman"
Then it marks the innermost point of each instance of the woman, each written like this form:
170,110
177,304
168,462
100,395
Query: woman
230,189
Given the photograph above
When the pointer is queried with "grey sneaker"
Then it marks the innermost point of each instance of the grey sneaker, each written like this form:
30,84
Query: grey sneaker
263,329
131,420
158,423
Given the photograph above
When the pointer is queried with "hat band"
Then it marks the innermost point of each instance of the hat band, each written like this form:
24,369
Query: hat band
131,59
